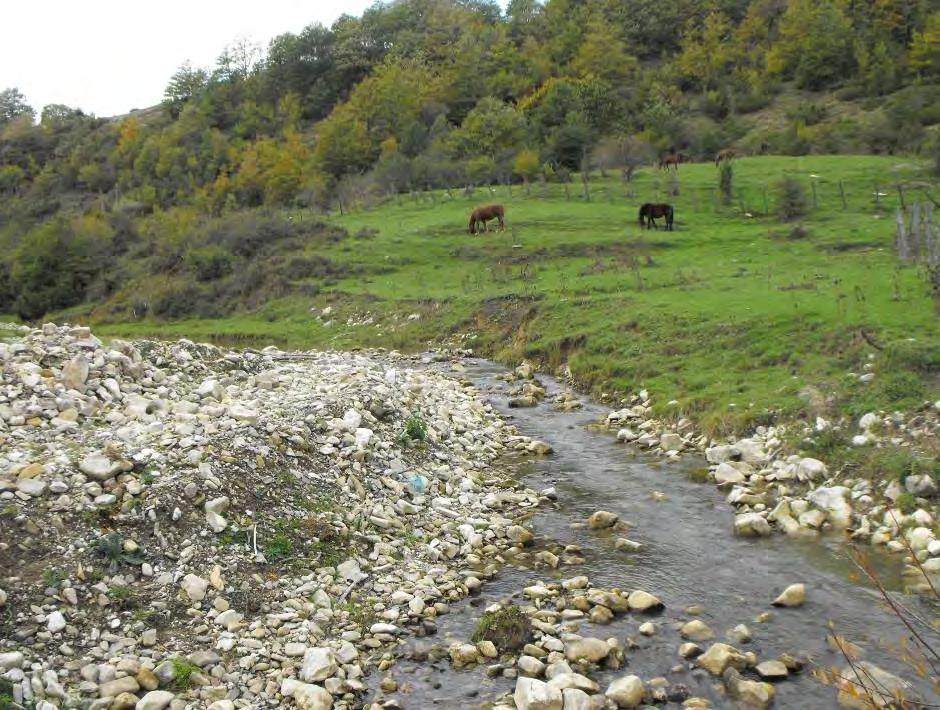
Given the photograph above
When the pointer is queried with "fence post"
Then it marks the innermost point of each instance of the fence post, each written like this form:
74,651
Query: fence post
901,195
900,239
915,241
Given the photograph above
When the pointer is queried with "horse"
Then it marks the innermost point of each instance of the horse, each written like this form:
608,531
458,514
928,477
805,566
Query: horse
650,211
725,154
672,159
486,212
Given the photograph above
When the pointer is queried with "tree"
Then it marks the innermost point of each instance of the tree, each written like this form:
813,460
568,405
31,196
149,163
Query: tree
924,58
603,54
527,164
184,85
13,105
706,52
492,128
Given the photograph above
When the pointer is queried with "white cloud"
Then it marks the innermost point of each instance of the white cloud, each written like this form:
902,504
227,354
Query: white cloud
107,57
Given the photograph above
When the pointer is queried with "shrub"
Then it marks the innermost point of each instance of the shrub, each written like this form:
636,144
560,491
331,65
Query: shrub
209,263
792,202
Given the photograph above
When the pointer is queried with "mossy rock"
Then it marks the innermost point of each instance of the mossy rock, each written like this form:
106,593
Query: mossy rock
508,628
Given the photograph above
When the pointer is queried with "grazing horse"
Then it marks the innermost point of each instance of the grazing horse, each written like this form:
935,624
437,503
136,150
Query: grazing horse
480,215
725,154
672,159
650,211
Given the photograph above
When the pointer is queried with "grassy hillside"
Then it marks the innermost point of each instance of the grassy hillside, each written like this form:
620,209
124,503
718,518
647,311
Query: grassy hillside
733,314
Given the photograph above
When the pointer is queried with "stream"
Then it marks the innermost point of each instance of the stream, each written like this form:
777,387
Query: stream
689,556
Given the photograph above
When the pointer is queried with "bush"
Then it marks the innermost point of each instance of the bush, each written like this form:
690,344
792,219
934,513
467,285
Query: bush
792,202
209,263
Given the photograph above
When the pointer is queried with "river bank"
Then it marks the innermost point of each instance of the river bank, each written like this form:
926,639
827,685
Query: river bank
187,526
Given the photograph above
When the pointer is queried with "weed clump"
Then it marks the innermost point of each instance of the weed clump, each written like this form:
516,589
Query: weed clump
906,503
508,628
183,670
416,429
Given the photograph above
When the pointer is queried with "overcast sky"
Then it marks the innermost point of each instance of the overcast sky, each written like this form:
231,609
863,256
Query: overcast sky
107,57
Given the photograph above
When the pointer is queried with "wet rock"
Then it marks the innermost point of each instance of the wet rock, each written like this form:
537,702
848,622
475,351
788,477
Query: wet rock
833,500
720,656
740,634
601,519
867,685
749,693
644,602
587,649
464,654
751,525
626,692
625,545
696,630
519,535
772,670
792,596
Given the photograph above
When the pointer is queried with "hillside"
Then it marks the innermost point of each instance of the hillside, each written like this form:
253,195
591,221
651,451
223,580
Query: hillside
336,170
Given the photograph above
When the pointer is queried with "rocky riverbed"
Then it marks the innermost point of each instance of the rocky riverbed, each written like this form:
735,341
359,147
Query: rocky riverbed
186,526
183,526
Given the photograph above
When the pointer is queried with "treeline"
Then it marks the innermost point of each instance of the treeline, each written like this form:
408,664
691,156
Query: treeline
434,93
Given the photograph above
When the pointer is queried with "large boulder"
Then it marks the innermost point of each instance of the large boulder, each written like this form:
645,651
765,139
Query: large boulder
587,649
533,694
626,692
833,501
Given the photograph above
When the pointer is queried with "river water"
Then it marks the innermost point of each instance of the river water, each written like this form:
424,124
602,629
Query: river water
689,557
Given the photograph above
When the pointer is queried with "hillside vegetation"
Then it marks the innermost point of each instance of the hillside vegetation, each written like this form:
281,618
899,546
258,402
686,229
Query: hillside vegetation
732,315
337,166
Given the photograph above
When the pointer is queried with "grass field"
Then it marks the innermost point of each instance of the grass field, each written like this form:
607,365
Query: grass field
732,314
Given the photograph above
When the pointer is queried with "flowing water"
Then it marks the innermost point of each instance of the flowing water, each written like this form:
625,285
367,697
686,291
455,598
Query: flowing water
689,556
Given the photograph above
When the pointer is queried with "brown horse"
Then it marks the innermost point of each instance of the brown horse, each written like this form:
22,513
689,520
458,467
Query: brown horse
728,154
672,159
480,215
650,211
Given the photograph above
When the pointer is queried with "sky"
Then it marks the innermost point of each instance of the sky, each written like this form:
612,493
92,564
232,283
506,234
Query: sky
108,57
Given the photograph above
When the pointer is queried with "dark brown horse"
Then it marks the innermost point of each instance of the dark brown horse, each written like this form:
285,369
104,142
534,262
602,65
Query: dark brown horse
650,211
672,159
480,215
728,154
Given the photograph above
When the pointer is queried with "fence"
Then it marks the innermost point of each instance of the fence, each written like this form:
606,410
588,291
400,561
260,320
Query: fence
917,239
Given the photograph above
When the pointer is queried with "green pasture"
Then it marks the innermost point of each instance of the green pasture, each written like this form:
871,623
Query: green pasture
732,315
